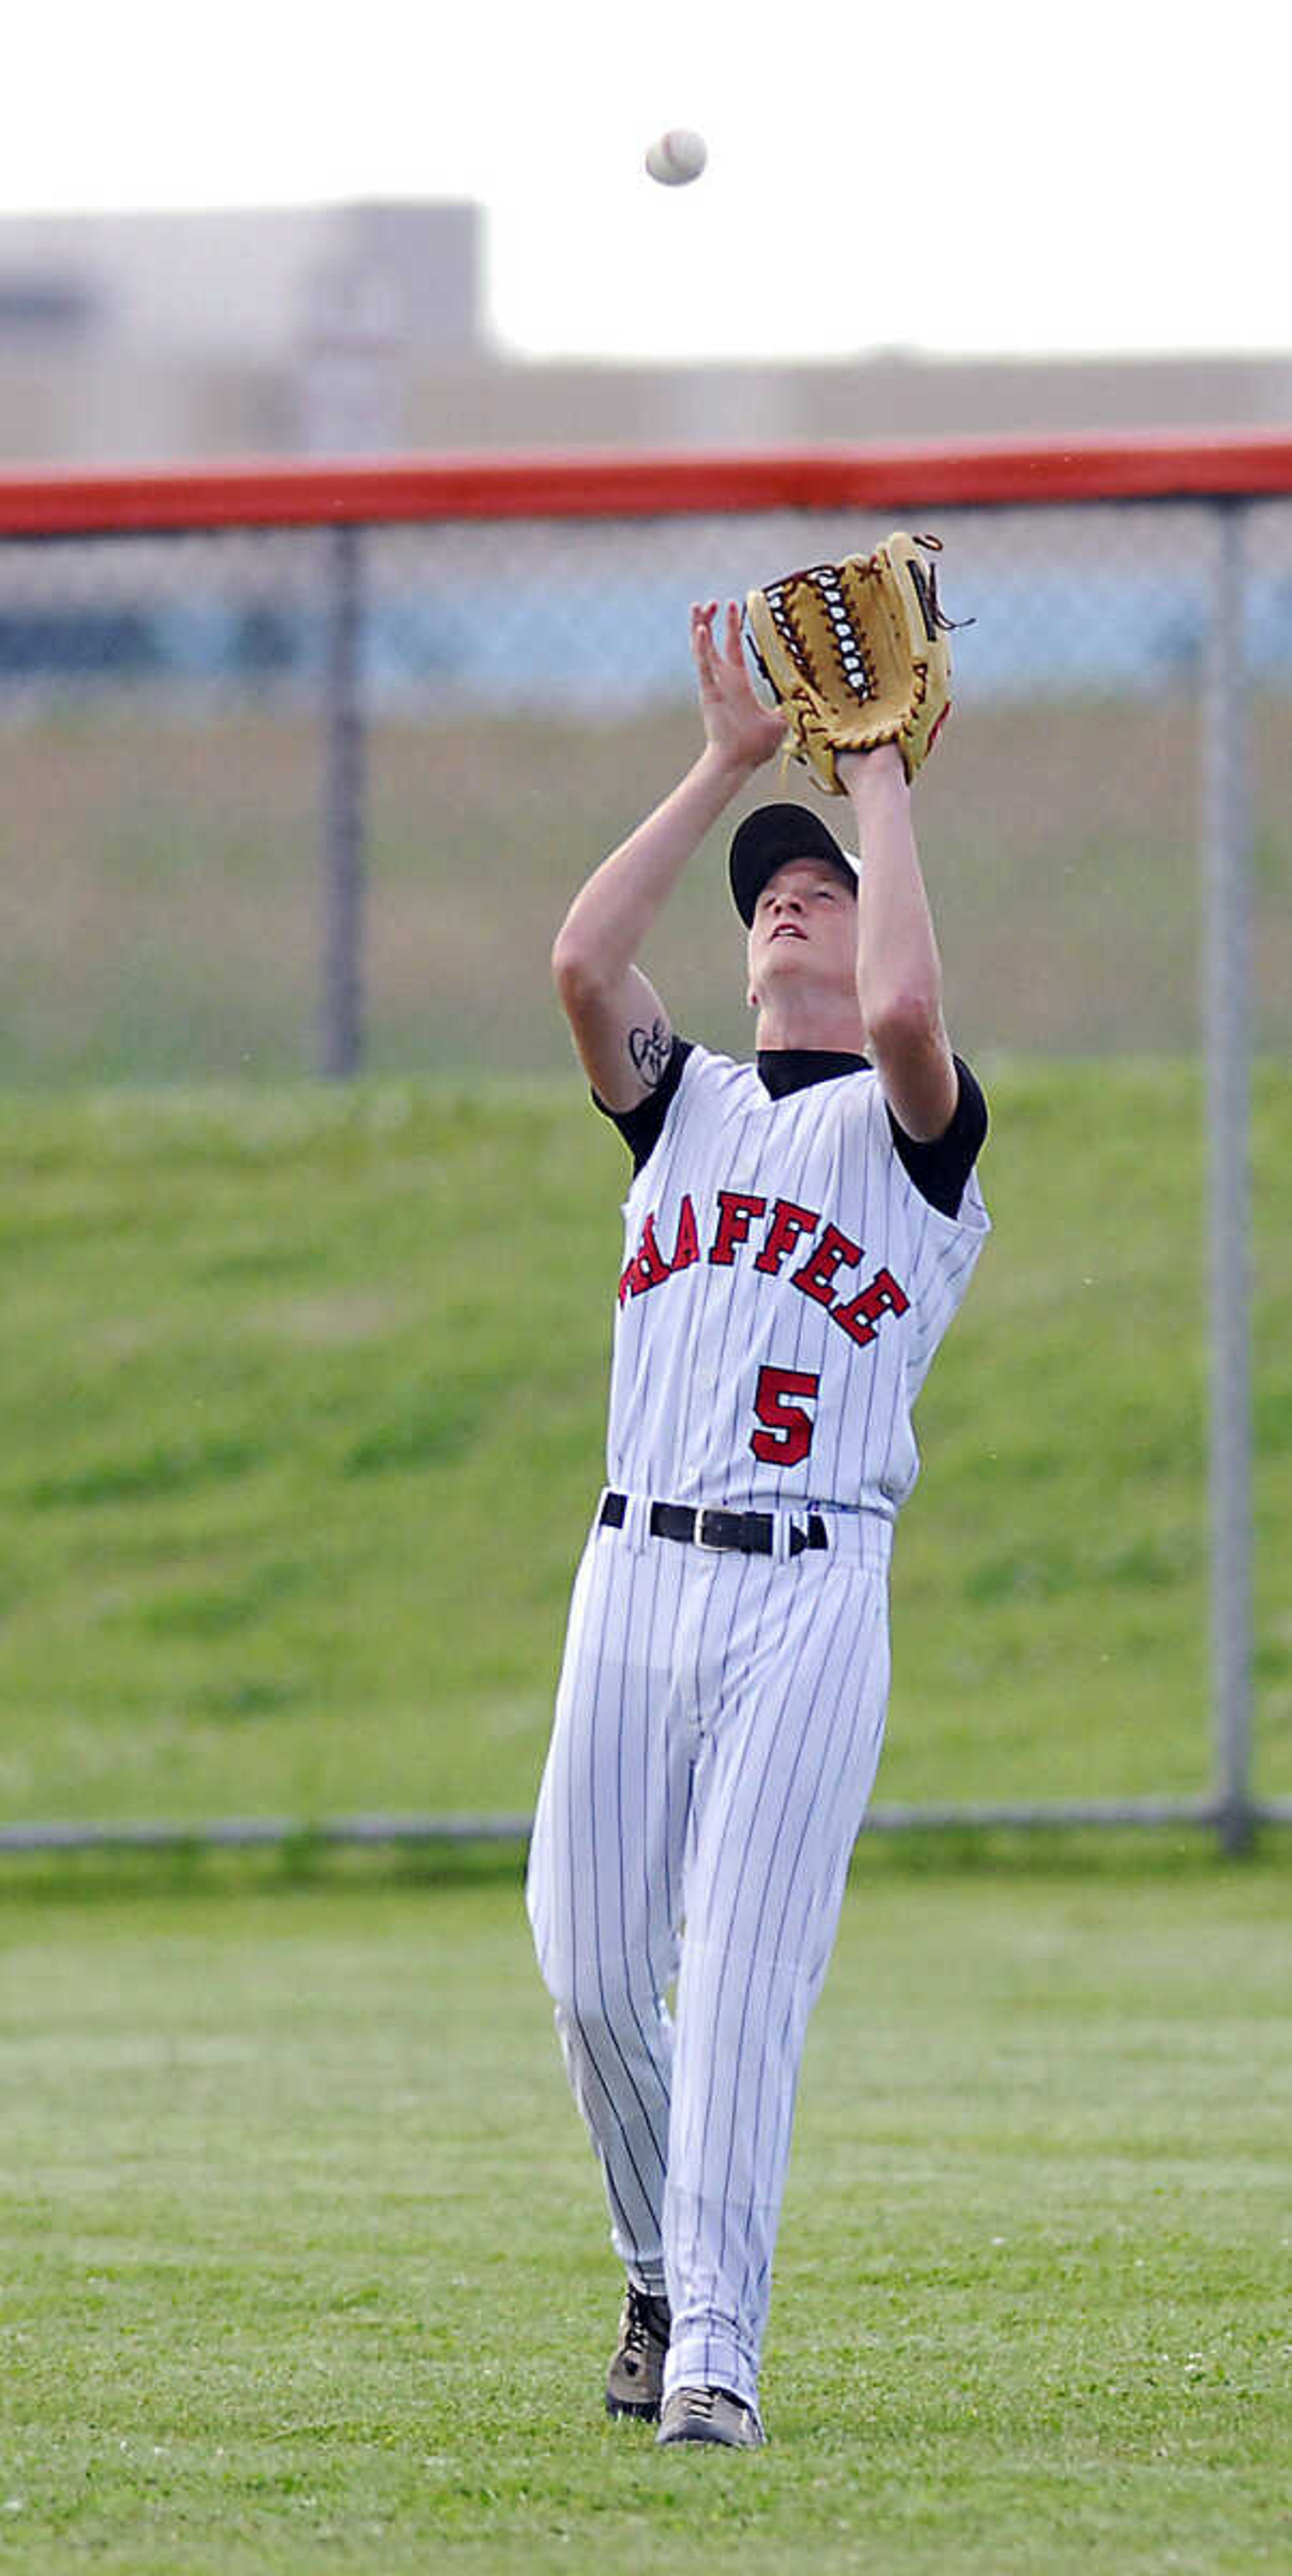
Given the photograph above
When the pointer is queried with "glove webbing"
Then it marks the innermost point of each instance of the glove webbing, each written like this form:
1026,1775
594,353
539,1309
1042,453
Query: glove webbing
858,670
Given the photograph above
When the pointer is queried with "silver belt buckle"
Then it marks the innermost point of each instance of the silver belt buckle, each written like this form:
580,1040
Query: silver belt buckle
709,1512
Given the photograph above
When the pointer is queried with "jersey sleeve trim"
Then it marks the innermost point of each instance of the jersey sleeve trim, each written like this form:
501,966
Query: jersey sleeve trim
941,1168
642,1127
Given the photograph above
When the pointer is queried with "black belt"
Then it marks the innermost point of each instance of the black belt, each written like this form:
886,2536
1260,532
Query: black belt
749,1533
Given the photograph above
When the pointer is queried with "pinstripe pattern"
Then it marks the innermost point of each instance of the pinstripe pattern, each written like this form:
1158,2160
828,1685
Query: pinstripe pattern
748,1702
720,1717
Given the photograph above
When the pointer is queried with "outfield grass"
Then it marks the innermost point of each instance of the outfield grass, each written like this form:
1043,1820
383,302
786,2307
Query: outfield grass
304,1416
305,2258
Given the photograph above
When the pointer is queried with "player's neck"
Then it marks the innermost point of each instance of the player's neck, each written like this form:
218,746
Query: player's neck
819,1026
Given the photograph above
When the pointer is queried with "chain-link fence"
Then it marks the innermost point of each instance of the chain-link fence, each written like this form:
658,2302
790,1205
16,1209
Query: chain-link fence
245,771
312,798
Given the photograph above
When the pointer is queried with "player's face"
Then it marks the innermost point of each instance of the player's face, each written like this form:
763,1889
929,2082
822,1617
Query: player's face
804,928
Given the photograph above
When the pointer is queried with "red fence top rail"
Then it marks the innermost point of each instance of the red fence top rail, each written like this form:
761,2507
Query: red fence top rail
570,484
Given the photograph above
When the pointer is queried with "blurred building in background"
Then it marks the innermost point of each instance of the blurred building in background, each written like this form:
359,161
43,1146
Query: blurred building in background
158,337
161,338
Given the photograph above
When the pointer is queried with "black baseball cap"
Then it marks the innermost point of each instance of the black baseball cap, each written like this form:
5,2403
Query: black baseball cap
771,835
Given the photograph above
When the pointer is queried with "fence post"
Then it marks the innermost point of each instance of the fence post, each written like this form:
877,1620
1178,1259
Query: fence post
343,806
1227,1010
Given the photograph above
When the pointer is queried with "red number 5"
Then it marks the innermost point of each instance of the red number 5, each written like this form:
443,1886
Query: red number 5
788,1436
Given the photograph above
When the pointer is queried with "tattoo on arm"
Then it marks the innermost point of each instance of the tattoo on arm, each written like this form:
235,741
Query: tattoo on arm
650,1050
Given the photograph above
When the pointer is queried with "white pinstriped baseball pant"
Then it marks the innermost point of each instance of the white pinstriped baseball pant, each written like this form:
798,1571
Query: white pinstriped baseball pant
718,1727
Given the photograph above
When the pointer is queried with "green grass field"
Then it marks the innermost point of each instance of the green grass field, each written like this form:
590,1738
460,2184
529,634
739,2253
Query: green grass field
304,2255
303,1422
305,2259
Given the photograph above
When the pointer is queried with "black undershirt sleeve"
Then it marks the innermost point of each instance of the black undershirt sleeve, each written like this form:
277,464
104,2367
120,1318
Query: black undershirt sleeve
642,1127
941,1169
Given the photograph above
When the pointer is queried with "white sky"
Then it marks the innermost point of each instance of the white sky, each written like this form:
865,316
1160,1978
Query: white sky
1108,176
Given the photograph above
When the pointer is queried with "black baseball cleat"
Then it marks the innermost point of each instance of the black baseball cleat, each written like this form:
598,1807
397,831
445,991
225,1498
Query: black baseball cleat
635,2379
710,2415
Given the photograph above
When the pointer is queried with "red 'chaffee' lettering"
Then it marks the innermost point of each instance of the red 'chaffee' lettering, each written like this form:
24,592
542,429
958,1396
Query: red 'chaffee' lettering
687,1248
789,1226
789,1223
736,1214
880,1296
816,1278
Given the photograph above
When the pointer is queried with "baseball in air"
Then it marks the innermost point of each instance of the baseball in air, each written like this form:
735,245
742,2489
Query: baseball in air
678,157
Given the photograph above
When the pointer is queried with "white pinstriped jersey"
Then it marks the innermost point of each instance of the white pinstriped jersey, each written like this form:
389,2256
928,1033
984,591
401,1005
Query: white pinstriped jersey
785,1286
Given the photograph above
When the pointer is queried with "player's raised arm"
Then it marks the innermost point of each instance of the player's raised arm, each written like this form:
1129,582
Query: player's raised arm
858,654
620,1026
899,973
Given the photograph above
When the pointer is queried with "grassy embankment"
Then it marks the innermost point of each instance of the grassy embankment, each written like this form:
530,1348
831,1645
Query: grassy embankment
303,1419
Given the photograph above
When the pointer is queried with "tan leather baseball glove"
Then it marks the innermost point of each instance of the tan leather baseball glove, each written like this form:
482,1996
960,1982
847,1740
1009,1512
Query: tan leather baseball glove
856,653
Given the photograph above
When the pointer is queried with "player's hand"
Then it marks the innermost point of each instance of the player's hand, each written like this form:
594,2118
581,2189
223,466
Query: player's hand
742,732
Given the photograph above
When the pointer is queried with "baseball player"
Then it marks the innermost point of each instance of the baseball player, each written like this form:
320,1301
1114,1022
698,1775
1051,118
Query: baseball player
798,1235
